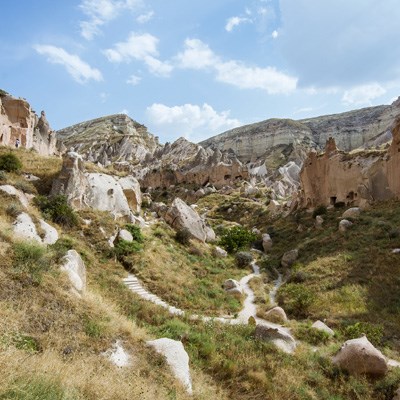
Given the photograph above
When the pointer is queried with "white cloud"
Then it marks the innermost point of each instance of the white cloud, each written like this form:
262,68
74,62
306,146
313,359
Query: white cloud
235,21
134,80
189,120
78,69
197,55
101,12
274,34
363,94
143,18
303,110
141,47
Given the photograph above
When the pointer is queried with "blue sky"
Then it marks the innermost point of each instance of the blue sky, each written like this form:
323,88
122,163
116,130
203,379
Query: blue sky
196,68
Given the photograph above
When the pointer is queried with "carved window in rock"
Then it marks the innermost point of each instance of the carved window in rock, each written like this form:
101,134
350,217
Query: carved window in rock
333,200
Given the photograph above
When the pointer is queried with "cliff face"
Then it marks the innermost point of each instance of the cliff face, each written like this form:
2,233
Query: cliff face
114,138
359,128
354,179
19,122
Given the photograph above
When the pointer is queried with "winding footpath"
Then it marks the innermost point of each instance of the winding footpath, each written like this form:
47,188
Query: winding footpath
282,338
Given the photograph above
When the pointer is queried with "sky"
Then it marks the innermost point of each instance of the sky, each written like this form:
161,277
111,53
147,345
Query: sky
196,68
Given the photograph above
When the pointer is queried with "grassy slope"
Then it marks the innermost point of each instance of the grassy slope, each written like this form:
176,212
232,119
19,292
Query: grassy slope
226,361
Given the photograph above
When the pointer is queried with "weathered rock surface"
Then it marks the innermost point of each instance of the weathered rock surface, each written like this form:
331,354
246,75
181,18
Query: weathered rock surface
176,357
277,336
323,327
318,221
344,225
111,139
120,196
289,258
24,228
359,356
123,234
11,190
74,266
181,216
353,212
233,287
277,315
19,122
50,233
354,179
219,253
266,242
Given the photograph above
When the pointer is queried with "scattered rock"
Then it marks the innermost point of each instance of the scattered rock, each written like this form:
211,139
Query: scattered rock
118,355
344,225
322,327
76,270
318,221
279,337
266,242
124,234
177,359
276,315
359,356
353,212
24,228
396,251
233,287
289,258
50,233
219,253
11,190
181,216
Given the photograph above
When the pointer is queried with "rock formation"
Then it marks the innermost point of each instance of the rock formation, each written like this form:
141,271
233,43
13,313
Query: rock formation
353,179
19,122
120,196
74,266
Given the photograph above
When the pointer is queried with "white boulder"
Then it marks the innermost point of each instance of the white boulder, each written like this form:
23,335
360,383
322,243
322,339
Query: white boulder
24,228
118,355
75,268
219,253
344,225
176,358
276,315
323,327
11,190
281,338
353,212
50,233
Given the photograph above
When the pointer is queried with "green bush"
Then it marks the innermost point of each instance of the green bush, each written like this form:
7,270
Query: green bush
243,259
307,333
319,210
27,343
237,238
135,232
374,333
10,163
57,209
124,248
183,236
295,299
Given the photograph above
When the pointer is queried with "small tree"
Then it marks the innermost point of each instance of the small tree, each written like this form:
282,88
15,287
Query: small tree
57,209
237,238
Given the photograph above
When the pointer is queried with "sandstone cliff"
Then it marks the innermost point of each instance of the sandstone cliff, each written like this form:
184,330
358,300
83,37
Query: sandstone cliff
110,139
19,122
351,178
278,141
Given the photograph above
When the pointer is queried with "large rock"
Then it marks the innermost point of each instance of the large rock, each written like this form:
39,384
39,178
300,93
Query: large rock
289,258
233,287
277,315
120,196
176,358
181,216
50,233
344,225
219,253
353,212
359,356
266,242
11,190
24,228
279,337
74,266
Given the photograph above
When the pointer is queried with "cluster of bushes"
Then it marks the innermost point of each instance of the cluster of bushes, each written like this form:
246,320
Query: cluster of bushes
125,248
57,209
183,236
10,163
296,299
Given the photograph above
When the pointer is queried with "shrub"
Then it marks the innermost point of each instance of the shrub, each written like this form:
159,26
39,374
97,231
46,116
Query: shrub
373,332
296,299
124,248
14,209
243,259
57,209
10,163
311,335
135,232
27,343
319,210
183,236
237,238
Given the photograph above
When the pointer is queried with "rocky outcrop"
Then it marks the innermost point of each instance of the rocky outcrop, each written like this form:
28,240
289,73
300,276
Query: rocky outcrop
360,357
20,124
180,216
176,357
24,228
353,179
111,139
183,162
120,196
